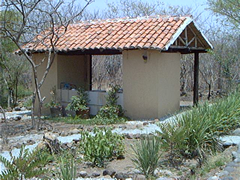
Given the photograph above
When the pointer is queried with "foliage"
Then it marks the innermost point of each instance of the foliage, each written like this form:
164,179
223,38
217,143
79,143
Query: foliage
228,9
92,121
67,169
112,97
102,146
26,165
23,91
79,102
111,113
147,155
108,112
194,133
53,101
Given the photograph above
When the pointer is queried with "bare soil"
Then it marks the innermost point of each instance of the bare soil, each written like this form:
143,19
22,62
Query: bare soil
22,128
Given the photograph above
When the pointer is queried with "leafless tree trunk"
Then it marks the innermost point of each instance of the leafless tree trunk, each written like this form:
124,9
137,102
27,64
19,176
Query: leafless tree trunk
38,16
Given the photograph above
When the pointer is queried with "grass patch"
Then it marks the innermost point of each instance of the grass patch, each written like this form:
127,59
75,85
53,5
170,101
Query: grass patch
216,161
195,133
91,121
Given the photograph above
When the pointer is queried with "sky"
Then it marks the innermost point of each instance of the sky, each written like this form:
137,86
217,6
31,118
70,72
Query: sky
200,4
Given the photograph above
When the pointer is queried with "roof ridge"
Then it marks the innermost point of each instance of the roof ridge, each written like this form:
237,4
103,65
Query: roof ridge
127,19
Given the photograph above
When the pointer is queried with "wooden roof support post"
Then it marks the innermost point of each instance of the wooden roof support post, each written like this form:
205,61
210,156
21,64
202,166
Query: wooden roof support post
196,78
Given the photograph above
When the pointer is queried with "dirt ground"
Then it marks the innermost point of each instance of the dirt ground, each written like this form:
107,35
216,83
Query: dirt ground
22,128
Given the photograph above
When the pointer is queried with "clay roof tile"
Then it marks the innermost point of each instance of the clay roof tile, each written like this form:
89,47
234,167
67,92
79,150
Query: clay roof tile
147,32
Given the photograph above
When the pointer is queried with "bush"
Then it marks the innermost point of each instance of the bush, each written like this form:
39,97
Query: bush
78,102
23,92
111,113
195,133
147,155
26,165
102,146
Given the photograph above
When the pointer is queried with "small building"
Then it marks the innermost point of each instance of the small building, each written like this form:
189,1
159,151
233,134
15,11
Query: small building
151,48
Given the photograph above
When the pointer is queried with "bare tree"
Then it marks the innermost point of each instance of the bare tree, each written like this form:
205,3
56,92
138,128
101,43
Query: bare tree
41,22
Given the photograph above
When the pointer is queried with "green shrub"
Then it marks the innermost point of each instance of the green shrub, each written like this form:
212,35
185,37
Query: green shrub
147,155
102,146
26,165
23,92
111,113
195,132
112,97
78,102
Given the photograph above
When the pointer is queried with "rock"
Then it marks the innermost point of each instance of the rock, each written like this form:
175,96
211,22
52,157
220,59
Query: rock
9,109
164,178
83,174
230,140
17,118
120,157
223,173
107,177
145,123
18,145
89,129
76,140
23,109
41,145
235,155
156,120
236,132
17,109
227,178
30,141
140,177
136,171
63,133
121,176
129,136
70,145
229,169
51,142
50,136
213,178
25,117
80,127
232,164
123,127
74,131
160,172
109,172
137,136
95,174
139,126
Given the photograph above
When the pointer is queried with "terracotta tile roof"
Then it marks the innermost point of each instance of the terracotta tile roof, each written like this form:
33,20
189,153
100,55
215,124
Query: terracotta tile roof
147,32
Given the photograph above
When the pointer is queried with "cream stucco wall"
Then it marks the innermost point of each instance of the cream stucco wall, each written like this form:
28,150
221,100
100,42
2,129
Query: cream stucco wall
150,89
70,69
49,82
73,69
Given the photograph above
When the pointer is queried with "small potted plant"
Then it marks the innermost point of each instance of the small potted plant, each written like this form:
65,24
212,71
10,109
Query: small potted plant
79,104
55,107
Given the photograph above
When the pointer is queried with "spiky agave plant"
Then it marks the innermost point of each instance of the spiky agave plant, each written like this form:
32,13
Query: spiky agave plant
147,155
27,164
66,169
